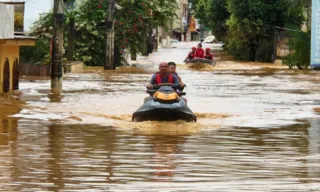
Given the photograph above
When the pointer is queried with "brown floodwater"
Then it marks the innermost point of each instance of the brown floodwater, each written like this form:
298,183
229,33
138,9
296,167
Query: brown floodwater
257,130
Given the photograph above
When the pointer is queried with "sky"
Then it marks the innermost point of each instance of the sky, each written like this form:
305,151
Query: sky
32,10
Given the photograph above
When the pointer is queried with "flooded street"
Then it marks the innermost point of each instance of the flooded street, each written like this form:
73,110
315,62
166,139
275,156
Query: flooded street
257,130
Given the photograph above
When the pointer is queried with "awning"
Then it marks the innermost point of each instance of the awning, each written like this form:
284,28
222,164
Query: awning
177,30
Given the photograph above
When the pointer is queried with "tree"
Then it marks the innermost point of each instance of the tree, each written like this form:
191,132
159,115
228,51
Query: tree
306,6
137,18
300,41
248,26
299,49
252,24
214,14
133,22
39,54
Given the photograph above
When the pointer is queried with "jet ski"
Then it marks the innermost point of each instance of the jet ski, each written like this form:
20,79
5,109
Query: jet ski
199,60
164,104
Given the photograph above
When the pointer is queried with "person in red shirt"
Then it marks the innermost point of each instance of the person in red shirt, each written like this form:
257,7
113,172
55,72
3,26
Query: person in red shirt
164,76
208,55
191,54
199,52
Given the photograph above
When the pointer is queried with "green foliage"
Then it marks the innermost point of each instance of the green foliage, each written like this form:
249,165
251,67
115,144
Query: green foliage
248,26
299,48
265,50
90,39
213,13
306,5
253,23
133,21
136,18
42,28
39,54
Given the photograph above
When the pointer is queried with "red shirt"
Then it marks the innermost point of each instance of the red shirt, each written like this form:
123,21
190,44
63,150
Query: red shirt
209,56
191,55
200,53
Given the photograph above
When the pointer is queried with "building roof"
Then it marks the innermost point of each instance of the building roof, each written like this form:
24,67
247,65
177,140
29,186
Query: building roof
19,6
22,36
13,2
20,39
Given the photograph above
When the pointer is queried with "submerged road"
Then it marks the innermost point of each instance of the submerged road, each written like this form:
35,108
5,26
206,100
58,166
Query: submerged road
258,130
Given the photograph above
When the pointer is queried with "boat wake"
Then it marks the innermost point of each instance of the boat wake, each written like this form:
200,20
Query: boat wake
124,122
197,66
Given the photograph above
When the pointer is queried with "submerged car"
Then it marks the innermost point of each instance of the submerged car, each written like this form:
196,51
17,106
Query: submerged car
164,104
213,43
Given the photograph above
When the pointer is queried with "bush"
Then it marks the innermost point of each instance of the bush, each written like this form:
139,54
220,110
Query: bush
299,48
38,54
264,51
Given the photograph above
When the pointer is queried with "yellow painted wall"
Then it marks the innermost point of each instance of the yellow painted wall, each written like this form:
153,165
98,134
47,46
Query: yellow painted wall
11,52
1,67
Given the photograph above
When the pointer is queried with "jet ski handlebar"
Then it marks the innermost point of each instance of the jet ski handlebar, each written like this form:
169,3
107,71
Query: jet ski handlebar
173,85
152,91
182,93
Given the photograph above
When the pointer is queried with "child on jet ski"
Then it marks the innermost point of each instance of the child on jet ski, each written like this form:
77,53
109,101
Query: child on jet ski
172,69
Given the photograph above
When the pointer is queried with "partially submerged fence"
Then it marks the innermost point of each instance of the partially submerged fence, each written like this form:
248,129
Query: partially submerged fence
44,70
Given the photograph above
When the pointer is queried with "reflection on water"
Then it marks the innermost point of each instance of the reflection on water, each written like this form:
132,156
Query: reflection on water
257,130
248,101
37,156
250,94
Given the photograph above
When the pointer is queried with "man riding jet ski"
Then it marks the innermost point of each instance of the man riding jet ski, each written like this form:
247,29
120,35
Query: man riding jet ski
164,76
164,103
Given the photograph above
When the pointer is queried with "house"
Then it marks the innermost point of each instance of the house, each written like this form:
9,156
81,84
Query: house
178,28
180,24
11,38
186,27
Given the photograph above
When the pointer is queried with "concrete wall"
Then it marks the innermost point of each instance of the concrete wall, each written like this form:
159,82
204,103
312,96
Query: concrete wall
280,46
34,70
44,70
74,67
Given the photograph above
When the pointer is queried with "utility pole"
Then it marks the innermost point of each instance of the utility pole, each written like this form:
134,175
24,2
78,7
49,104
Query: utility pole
57,49
109,64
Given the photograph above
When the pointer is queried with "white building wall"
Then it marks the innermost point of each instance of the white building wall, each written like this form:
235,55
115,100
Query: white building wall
6,21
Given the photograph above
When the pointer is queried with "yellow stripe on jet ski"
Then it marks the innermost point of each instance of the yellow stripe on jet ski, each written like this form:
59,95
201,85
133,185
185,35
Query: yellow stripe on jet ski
166,97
